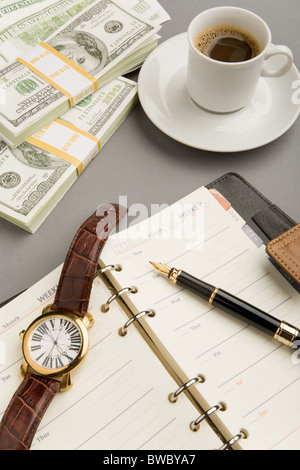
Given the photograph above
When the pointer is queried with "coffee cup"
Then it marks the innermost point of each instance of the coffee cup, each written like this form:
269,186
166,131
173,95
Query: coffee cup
216,83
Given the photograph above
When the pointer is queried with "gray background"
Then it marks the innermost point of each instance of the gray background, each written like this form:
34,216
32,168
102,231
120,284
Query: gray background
148,167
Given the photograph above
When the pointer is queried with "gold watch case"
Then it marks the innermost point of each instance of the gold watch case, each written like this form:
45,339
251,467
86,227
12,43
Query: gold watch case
63,373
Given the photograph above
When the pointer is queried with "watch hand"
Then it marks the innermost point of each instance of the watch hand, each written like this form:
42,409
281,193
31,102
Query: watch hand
48,357
51,350
59,331
47,332
59,349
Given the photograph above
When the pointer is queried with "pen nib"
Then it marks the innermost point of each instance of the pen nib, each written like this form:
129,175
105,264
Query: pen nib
161,268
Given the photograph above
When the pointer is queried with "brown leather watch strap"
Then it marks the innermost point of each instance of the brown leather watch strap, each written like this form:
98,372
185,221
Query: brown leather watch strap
29,403
25,411
78,272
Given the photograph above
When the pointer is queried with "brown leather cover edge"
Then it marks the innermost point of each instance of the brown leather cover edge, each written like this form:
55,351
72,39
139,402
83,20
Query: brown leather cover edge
285,250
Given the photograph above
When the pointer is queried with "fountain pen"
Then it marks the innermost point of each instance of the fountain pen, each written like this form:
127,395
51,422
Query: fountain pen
280,330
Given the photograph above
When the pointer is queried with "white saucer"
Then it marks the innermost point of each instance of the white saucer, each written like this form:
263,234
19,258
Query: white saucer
164,98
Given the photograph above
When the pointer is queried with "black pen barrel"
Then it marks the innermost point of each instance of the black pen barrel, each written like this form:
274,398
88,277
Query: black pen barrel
280,330
243,310
195,285
229,303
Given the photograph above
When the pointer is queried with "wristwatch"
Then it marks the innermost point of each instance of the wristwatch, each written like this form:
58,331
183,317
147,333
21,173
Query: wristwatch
57,341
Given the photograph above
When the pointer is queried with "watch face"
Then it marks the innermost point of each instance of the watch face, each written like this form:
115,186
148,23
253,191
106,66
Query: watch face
53,343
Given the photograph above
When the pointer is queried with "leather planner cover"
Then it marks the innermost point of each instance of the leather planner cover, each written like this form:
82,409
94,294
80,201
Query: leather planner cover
285,250
266,219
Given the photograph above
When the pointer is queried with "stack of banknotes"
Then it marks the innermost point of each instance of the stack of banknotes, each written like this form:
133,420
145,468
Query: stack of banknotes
106,38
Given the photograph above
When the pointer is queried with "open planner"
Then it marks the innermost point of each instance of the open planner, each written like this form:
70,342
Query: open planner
153,340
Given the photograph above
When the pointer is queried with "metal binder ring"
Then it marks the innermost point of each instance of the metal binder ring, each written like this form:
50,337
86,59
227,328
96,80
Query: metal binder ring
123,330
132,290
111,267
173,397
195,425
241,435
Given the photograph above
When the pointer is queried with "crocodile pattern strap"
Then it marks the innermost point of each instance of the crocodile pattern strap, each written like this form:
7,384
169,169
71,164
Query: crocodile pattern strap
25,411
29,403
75,284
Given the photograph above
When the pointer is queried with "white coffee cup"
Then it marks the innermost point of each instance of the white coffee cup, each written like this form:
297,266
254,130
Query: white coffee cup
224,87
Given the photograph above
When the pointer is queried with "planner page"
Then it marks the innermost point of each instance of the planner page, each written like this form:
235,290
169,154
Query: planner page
254,376
119,398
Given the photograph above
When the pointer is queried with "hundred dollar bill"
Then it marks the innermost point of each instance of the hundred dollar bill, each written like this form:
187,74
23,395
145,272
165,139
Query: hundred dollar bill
104,39
9,7
26,32
21,35
32,181
150,10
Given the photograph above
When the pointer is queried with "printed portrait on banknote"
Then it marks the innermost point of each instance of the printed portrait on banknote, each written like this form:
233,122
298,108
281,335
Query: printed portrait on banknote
87,51
35,157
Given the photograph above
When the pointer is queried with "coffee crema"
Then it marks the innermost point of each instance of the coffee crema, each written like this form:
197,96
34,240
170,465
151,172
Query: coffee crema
227,44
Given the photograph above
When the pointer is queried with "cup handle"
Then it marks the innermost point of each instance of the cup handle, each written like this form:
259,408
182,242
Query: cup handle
271,52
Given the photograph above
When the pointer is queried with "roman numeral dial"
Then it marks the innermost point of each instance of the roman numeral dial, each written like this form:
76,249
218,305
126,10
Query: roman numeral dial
55,342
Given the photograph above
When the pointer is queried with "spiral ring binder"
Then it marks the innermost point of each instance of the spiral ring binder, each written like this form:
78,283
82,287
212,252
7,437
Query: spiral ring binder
111,267
173,397
123,330
241,435
132,290
195,425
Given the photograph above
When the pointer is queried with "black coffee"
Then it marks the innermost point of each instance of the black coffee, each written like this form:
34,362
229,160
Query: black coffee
227,44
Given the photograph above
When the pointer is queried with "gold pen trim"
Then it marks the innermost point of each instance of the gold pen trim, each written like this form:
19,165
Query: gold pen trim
286,334
171,273
174,274
213,295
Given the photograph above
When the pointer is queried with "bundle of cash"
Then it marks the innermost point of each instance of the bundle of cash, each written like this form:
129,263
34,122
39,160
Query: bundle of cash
13,10
32,180
104,39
